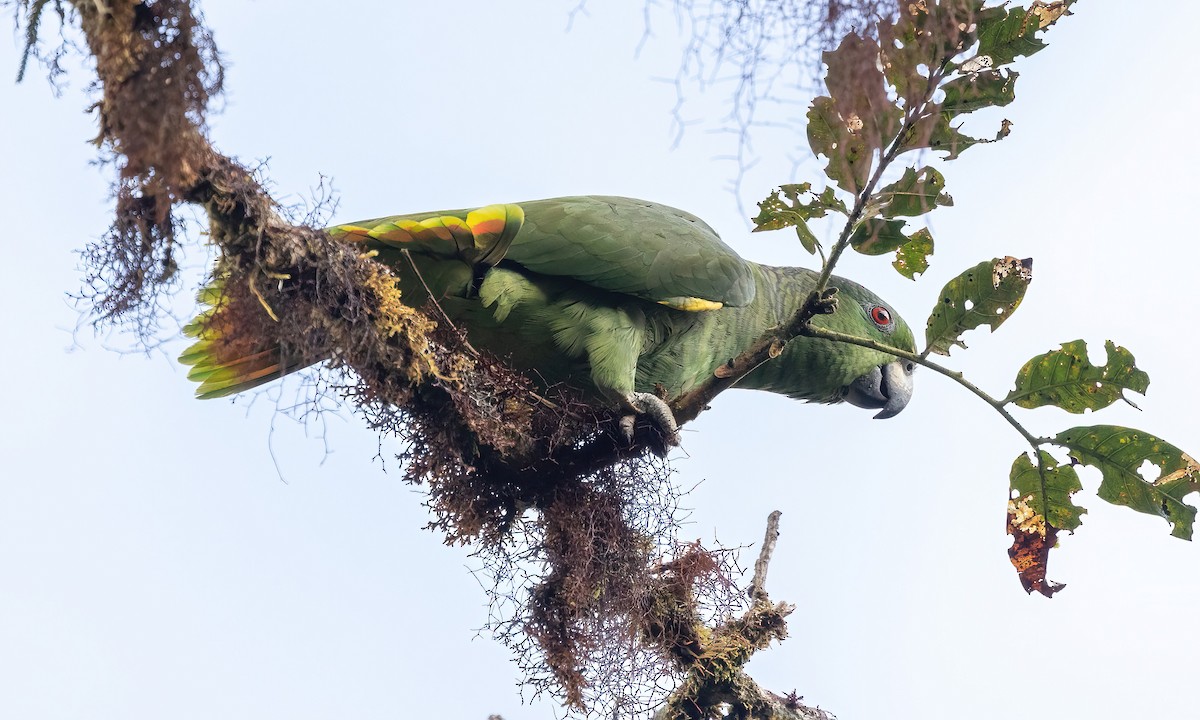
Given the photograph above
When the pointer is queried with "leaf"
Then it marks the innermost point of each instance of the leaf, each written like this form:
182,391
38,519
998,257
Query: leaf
784,208
1007,33
1039,506
857,86
874,236
1065,378
971,92
1048,13
912,258
841,141
915,193
1119,453
984,295
936,133
924,35
1049,495
857,119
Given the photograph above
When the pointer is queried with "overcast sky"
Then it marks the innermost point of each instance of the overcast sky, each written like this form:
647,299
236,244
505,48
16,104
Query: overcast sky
162,557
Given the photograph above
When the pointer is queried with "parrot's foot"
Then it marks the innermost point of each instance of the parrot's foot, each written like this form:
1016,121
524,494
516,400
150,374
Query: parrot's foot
659,413
824,304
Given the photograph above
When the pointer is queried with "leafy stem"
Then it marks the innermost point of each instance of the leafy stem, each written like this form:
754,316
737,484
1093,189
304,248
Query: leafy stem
864,197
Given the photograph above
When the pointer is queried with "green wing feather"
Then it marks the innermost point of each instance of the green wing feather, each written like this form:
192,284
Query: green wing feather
633,247
622,245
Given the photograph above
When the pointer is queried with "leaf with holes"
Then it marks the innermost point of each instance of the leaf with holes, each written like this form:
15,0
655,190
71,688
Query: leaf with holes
834,137
920,37
984,295
969,93
1008,33
936,133
853,124
912,258
785,208
1119,453
1039,506
915,193
1066,378
857,86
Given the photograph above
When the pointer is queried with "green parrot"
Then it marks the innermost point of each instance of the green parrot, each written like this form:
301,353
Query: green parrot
619,298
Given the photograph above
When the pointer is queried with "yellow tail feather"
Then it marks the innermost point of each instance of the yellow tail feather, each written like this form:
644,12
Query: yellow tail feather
225,364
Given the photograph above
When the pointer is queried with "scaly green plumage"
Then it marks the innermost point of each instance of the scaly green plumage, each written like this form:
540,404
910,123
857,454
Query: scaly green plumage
614,296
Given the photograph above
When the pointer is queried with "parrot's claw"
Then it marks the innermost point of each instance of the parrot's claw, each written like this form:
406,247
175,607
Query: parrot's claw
659,413
824,304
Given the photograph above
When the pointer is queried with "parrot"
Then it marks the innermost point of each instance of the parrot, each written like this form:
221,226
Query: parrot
627,301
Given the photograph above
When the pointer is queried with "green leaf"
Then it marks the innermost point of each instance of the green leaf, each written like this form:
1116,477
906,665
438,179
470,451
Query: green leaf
1065,378
1008,33
857,119
1119,453
970,93
785,208
848,152
936,133
923,36
905,49
1039,506
1049,495
858,88
987,294
912,258
874,236
915,193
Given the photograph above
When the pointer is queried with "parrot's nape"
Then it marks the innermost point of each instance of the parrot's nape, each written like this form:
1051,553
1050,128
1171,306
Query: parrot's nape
619,298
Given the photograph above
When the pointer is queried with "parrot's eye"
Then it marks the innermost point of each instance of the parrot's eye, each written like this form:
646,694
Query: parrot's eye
881,316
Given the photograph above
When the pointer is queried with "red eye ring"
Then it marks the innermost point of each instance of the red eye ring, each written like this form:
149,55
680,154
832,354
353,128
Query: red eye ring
880,315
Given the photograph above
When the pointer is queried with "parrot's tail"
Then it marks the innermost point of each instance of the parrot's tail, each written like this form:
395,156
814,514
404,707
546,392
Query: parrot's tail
230,354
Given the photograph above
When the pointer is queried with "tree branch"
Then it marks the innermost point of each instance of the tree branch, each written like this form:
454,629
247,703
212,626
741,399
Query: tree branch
758,585
716,684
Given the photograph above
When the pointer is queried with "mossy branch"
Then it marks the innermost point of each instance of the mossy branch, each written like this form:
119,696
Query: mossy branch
716,684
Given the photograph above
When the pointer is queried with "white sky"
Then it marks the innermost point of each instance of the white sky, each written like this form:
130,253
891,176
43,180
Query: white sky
162,557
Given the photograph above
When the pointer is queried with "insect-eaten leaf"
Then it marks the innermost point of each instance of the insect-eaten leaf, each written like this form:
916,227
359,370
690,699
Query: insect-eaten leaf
1008,33
841,140
1030,551
1048,13
912,258
1039,507
936,133
923,36
915,193
972,92
986,294
1119,453
857,119
1066,378
1049,493
785,208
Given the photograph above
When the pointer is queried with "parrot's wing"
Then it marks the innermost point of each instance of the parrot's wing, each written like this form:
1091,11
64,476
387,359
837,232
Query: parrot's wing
634,247
622,245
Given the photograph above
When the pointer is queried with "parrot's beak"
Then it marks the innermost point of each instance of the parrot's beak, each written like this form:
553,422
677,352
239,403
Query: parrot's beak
888,386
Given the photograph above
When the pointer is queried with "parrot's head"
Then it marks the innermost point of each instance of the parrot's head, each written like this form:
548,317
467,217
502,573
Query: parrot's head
863,377
874,379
